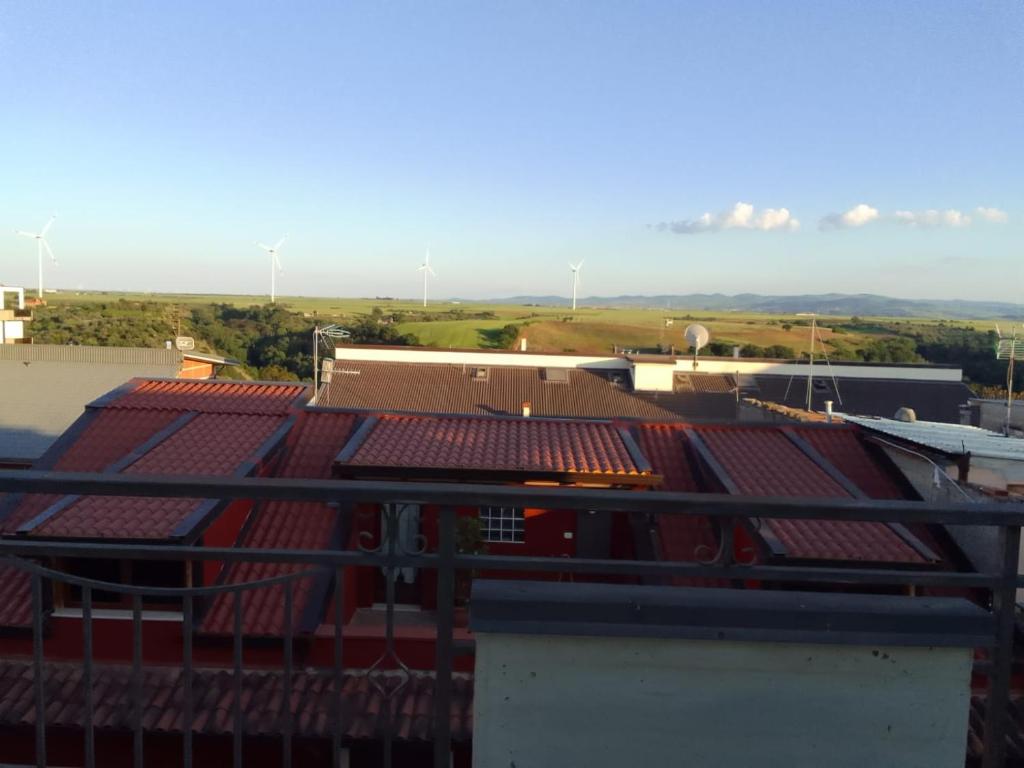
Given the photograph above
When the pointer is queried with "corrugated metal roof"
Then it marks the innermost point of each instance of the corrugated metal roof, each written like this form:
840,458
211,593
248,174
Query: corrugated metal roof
43,388
73,353
953,439
446,388
936,400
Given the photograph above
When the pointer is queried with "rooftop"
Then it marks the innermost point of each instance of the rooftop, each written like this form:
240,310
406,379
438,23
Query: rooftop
950,439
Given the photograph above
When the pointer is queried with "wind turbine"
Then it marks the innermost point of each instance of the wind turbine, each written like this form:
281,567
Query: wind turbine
575,281
275,263
426,269
41,244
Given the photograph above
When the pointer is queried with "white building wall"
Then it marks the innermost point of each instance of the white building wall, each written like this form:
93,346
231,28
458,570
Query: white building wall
652,376
603,701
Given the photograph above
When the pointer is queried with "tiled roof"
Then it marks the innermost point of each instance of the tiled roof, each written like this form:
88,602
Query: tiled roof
445,388
15,597
315,441
520,445
682,538
364,708
844,449
932,400
212,396
762,461
210,444
107,435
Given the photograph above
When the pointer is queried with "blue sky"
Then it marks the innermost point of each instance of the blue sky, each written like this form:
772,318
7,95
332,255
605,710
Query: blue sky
512,137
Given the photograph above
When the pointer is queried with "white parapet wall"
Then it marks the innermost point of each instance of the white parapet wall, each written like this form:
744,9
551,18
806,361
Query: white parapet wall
611,701
612,675
648,374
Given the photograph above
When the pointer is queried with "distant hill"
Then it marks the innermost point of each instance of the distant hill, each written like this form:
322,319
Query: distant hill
865,304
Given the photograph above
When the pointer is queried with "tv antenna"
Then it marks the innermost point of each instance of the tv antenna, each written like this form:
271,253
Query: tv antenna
1008,349
326,335
696,336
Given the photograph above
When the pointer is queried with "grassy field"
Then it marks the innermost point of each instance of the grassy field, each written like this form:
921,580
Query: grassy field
547,329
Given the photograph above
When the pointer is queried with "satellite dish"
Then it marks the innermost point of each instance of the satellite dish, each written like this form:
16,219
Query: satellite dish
697,335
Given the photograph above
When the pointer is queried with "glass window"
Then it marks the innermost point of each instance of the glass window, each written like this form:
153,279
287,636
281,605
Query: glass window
503,525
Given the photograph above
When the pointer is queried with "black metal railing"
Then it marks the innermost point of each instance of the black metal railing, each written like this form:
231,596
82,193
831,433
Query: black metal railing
389,673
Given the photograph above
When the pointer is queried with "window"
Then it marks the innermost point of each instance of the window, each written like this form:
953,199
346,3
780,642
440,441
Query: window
506,525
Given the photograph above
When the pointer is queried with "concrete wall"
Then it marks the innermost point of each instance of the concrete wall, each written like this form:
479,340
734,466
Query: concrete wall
606,701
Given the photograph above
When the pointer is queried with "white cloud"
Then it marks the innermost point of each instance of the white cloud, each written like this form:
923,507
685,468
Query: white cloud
993,215
740,216
858,216
933,218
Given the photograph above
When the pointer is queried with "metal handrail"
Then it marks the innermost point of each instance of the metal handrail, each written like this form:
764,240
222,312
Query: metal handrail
724,509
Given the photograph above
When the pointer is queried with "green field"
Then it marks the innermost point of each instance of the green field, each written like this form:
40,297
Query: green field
548,329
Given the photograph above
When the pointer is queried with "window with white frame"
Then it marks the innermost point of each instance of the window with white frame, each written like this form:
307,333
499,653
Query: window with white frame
505,525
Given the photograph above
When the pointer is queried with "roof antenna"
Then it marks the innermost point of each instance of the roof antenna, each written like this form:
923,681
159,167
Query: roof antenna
1006,349
810,363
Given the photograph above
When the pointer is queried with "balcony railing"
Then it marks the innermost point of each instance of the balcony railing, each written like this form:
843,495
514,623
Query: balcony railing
389,674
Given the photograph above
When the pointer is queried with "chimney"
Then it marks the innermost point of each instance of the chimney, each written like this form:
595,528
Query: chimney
167,345
526,409
828,411
736,352
522,344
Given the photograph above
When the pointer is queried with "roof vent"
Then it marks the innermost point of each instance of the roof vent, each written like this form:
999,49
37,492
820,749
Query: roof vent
905,414
478,374
559,375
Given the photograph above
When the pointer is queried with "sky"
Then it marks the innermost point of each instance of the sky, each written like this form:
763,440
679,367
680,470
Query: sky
870,146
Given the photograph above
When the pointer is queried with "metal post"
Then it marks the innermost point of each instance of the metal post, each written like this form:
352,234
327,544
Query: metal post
286,757
186,724
236,682
1004,600
810,366
137,756
90,704
316,341
1009,385
37,668
336,725
443,661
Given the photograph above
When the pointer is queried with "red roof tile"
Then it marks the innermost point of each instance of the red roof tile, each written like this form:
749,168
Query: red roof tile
664,445
763,462
845,449
469,443
210,444
364,709
109,435
15,597
312,446
207,396
843,540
